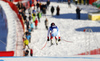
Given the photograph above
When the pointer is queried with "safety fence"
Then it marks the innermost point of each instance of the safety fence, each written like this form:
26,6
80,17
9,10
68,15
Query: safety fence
19,26
88,43
20,31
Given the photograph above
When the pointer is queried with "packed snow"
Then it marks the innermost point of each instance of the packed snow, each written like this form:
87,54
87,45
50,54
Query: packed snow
73,40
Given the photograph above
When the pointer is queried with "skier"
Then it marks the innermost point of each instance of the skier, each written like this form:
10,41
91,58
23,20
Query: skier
78,12
52,10
58,10
54,32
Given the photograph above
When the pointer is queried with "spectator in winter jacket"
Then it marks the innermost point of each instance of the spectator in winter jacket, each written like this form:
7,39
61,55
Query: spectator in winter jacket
39,15
20,5
76,2
28,37
46,23
52,10
27,24
30,1
34,11
44,7
69,3
58,10
34,15
26,53
29,11
84,1
40,5
26,42
80,2
64,0
59,0
32,26
24,17
31,52
87,2
78,13
36,23
53,31
29,17
29,30
37,5
27,33
48,3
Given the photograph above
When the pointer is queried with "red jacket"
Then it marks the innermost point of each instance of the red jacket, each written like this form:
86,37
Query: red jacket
36,22
31,51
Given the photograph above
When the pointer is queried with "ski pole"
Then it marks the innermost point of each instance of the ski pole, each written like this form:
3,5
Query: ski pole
67,41
44,46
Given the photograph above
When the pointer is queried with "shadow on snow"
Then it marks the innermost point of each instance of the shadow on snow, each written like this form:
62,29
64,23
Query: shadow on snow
94,29
84,16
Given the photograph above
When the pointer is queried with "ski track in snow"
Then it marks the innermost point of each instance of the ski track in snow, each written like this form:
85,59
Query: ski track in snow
70,28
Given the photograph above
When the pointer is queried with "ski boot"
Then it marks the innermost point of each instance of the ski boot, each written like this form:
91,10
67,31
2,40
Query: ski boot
51,42
56,42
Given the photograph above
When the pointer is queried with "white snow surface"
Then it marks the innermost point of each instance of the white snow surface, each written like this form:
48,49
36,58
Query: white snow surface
71,30
73,40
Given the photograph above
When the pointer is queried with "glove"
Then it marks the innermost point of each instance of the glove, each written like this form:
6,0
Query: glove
59,40
48,39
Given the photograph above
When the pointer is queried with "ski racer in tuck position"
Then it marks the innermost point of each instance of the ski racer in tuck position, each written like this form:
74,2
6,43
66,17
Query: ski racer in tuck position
53,31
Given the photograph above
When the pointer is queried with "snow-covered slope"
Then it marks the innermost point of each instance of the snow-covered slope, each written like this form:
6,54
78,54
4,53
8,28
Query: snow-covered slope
73,39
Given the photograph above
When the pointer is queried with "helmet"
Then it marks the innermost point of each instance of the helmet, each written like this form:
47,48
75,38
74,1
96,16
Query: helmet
52,24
